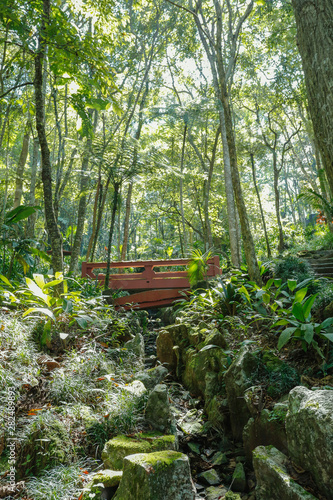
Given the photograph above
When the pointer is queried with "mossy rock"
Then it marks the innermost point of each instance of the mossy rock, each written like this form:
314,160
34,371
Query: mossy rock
216,410
119,447
163,475
197,364
271,361
46,445
103,483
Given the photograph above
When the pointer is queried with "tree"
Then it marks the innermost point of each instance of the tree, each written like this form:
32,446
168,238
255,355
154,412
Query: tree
314,39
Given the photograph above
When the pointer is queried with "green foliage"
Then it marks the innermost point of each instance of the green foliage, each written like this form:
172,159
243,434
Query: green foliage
198,267
293,268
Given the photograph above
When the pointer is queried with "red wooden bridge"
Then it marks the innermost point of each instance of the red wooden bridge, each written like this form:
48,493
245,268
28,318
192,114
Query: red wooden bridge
148,282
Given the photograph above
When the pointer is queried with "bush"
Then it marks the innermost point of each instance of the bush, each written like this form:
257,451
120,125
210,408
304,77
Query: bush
294,268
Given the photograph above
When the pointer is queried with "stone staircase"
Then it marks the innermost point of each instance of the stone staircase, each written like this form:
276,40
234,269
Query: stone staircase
321,262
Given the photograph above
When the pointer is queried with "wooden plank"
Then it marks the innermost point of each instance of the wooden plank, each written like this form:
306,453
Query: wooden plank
150,298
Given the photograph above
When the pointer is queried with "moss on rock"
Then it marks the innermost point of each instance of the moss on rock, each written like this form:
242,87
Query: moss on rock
119,447
163,475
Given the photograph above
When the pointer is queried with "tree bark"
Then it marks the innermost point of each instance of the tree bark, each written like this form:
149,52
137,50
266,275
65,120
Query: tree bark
32,200
315,40
113,218
20,167
81,216
51,222
269,253
126,222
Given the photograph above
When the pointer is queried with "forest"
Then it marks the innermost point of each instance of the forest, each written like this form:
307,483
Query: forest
157,130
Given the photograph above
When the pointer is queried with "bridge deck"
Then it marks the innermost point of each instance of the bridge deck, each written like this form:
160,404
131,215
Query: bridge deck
156,287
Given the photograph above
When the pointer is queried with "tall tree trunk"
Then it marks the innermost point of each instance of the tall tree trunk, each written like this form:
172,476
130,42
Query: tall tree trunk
315,39
269,253
51,222
248,243
184,246
81,216
32,200
20,167
277,203
113,218
126,222
93,229
229,192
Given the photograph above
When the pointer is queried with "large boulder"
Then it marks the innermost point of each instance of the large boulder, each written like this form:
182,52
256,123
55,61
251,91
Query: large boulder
265,429
119,447
238,378
164,349
162,475
199,364
309,426
273,480
158,412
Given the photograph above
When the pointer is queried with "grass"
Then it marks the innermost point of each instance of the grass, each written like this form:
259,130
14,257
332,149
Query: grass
60,483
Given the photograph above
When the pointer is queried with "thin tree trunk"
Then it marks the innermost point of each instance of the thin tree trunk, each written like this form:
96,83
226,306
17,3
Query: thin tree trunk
126,222
51,223
269,254
84,182
20,168
113,218
184,246
32,200
277,203
94,217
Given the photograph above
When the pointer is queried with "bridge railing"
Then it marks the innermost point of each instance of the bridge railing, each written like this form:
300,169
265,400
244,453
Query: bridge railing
148,278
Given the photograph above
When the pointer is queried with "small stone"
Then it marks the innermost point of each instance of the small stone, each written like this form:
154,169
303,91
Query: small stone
192,422
219,458
210,476
150,378
195,447
215,493
232,496
103,485
238,478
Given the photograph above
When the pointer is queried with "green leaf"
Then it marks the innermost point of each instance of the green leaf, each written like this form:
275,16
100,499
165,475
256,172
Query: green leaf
300,294
285,337
292,284
328,336
53,283
278,282
19,213
37,292
41,310
269,284
208,347
326,323
46,336
266,298
308,305
6,280
297,311
39,279
281,322
308,330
